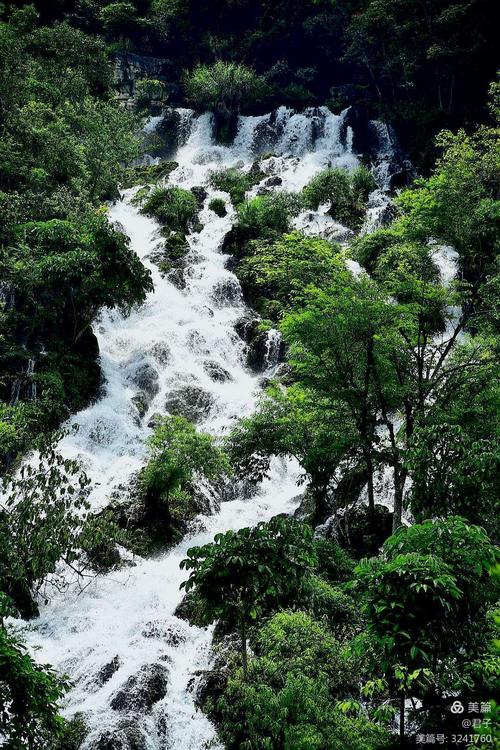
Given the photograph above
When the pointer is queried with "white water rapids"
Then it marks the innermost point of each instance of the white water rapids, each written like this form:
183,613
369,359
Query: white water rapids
126,618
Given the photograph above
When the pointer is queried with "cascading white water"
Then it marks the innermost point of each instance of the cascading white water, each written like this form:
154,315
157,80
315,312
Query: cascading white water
124,621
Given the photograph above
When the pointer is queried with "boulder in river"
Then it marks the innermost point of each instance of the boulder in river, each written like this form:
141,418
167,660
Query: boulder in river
227,292
108,670
216,372
247,326
142,690
161,352
265,350
125,736
145,377
190,401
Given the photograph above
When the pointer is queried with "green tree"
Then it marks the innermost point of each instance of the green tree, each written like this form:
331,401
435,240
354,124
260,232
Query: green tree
296,422
44,509
416,63
344,192
335,349
287,698
276,275
453,454
459,202
118,17
30,695
430,589
64,142
242,573
178,455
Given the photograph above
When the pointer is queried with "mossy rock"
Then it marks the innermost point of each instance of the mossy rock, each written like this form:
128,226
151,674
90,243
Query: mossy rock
147,175
173,207
191,609
218,206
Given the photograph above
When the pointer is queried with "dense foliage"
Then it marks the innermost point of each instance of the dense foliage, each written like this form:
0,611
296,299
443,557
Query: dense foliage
331,632
63,143
178,454
426,67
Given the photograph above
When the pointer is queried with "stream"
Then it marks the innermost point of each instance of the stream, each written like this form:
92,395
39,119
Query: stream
121,635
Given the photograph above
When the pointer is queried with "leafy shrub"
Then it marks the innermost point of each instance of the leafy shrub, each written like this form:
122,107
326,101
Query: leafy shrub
362,183
345,193
334,564
148,90
301,644
233,181
29,695
466,549
331,605
276,274
178,455
370,247
287,698
242,574
218,206
46,511
147,175
331,186
266,216
223,86
172,206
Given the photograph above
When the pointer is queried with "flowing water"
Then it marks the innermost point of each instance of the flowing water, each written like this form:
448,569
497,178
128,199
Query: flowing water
123,622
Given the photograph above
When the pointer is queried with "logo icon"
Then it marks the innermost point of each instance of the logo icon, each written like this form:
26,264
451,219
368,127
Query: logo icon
457,707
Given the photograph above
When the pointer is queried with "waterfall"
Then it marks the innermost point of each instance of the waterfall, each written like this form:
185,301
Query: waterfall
25,384
273,350
123,625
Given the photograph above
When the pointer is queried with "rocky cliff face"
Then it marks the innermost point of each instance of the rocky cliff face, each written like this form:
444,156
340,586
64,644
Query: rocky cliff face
130,69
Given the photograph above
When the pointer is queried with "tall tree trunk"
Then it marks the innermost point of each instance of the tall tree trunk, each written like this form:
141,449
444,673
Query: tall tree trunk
371,492
399,485
319,493
402,721
244,655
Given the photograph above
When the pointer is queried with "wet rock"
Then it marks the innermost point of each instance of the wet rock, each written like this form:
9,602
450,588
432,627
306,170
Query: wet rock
146,378
168,135
200,194
284,374
142,690
111,740
273,181
247,326
402,175
191,609
364,137
216,372
154,420
306,507
197,343
130,68
108,670
161,352
354,530
227,292
140,402
177,277
125,736
256,353
241,489
211,684
265,350
189,401
171,634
